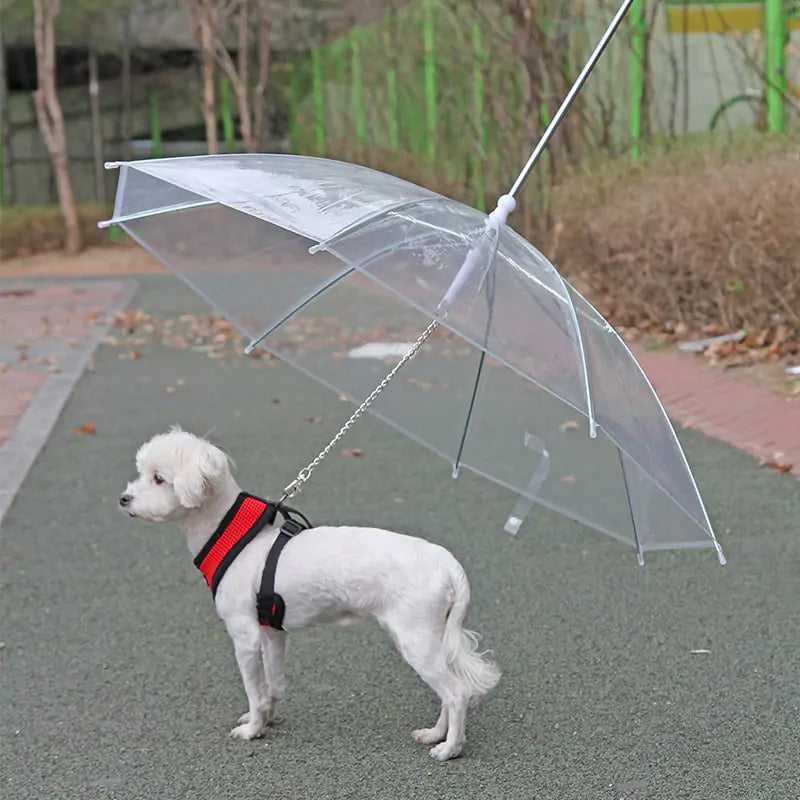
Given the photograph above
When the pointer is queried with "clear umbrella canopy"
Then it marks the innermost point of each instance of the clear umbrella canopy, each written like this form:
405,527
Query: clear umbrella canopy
337,268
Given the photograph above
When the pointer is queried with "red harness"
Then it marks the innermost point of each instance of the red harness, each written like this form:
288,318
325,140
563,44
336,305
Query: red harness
247,517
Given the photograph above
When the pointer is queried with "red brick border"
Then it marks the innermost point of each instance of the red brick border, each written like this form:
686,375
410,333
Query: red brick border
752,418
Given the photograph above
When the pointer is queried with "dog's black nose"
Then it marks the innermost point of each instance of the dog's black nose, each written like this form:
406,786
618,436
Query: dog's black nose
125,500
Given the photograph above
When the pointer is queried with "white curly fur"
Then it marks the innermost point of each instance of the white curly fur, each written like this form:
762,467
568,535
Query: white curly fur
415,589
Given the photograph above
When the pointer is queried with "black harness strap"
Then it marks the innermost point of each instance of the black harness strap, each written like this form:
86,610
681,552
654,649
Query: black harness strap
269,603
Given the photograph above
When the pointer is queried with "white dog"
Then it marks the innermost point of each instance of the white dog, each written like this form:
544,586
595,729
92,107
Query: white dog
413,588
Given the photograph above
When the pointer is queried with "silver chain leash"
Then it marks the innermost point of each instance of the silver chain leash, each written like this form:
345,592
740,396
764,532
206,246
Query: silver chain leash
297,484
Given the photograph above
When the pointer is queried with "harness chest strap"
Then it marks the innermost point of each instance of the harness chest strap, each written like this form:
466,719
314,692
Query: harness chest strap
247,517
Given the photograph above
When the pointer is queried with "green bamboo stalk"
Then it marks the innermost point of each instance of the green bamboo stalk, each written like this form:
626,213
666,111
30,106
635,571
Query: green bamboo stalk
294,106
359,113
319,103
429,41
636,72
391,89
392,108
775,36
156,141
479,159
226,113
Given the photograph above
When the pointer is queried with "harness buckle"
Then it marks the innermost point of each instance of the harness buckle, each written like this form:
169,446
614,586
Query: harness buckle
291,527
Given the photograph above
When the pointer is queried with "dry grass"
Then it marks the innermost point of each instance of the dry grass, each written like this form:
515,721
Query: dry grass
692,240
26,230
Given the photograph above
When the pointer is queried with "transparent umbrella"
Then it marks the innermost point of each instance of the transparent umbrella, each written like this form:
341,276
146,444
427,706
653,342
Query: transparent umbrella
337,269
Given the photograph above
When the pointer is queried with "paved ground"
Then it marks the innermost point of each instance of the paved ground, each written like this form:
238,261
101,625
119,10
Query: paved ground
48,333
119,682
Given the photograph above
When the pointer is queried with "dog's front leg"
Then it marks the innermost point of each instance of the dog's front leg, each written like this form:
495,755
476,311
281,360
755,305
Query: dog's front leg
273,645
247,646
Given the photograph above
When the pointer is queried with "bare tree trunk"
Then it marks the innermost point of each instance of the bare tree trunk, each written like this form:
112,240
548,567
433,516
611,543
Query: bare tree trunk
260,88
209,74
243,87
5,131
97,127
237,74
50,117
125,123
203,17
210,20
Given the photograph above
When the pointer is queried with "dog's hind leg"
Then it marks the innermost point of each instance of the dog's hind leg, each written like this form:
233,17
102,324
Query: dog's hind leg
435,734
421,647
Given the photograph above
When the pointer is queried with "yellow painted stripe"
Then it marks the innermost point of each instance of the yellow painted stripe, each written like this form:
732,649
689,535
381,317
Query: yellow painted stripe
718,19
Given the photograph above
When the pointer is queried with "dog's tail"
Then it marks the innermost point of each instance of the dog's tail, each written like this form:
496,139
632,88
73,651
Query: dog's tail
475,669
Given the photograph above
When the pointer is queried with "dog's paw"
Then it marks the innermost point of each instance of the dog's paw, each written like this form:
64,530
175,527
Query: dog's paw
428,735
247,731
445,751
269,716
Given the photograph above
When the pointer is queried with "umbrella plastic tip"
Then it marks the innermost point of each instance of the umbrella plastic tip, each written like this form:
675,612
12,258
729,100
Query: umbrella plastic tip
721,556
113,164
512,525
249,349
640,558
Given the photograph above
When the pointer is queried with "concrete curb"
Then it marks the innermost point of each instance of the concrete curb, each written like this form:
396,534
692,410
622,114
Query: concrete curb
20,450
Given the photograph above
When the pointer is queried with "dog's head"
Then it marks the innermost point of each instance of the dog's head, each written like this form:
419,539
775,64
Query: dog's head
178,472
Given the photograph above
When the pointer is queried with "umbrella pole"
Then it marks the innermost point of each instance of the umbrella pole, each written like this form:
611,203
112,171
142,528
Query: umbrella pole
571,95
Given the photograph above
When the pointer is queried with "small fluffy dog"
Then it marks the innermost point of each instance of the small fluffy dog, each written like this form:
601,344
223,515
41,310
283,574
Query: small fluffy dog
415,589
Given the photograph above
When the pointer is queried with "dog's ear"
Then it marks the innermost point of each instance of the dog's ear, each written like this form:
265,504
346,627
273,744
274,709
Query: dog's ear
201,470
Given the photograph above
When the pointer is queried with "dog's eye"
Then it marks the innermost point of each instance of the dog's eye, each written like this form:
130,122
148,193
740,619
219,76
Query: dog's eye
158,479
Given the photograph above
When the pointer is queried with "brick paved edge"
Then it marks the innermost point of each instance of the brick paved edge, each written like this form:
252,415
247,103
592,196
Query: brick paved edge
20,450
751,418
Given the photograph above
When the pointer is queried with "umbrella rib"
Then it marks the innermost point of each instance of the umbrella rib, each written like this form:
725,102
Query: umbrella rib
639,554
709,529
302,304
457,464
360,223
154,212
582,349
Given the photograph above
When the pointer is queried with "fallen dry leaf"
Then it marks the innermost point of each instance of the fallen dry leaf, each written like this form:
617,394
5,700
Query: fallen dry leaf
353,452
170,389
315,420
135,354
777,463
86,428
569,425
568,479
